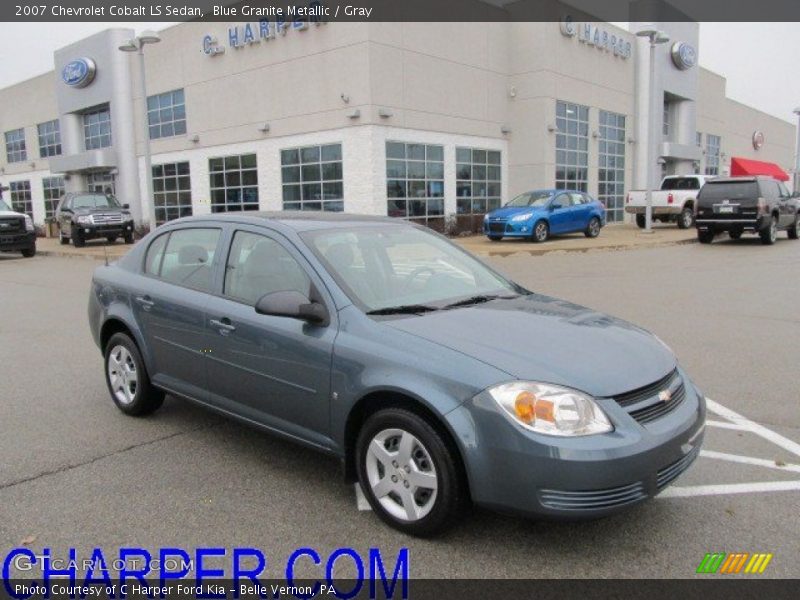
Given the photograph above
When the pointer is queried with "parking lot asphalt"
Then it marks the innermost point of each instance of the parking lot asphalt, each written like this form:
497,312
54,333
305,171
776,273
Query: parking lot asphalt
77,473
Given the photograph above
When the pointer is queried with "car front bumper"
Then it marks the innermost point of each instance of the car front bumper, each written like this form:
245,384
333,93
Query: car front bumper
105,230
508,228
14,242
514,470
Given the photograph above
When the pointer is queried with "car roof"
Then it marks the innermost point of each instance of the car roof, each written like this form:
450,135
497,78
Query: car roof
298,220
742,178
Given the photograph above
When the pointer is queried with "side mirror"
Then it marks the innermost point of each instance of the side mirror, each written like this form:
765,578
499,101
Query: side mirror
294,305
126,205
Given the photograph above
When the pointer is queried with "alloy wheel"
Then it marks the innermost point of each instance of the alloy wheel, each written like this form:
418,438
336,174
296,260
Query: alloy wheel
594,227
773,229
541,231
122,374
401,474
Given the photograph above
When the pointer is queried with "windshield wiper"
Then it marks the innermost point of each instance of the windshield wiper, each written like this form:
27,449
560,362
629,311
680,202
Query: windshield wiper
406,309
479,299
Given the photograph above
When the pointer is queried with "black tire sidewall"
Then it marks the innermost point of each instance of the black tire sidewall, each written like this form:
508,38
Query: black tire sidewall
147,398
449,498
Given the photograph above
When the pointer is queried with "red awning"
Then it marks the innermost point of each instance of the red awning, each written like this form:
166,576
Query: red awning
746,166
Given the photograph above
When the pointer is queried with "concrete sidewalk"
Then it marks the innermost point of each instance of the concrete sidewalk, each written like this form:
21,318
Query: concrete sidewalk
612,237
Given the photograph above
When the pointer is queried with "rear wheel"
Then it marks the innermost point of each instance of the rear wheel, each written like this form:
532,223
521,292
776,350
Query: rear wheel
794,230
593,229
769,234
127,378
409,473
541,231
705,237
686,218
495,238
641,221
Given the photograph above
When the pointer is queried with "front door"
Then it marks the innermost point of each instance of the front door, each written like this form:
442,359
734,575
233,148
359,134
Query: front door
561,214
272,370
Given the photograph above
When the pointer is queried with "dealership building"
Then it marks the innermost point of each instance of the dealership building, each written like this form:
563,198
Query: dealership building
436,122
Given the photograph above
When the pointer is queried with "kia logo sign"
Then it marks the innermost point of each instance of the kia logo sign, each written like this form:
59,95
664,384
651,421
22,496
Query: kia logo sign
684,55
79,73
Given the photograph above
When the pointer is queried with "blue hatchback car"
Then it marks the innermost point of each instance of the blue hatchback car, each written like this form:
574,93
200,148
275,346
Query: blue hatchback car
540,213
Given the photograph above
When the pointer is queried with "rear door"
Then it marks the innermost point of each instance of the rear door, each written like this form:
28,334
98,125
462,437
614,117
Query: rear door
786,205
272,370
170,305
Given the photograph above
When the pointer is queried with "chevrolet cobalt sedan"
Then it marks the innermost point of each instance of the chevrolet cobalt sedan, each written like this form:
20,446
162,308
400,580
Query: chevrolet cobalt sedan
434,379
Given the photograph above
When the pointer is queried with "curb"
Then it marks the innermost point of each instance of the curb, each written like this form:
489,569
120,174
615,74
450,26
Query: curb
609,248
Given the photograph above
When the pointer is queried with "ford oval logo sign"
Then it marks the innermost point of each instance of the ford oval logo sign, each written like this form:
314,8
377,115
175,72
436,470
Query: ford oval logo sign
79,73
684,55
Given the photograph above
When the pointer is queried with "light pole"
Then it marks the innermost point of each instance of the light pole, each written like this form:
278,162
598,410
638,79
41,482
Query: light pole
137,45
656,37
796,186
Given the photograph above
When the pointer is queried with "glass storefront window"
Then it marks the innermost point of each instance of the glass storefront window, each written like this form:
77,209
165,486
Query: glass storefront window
20,194
166,114
15,146
233,183
172,193
572,146
312,178
414,180
97,128
611,164
49,138
53,190
478,181
713,144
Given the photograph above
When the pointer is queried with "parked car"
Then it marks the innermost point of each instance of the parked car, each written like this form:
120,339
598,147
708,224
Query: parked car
538,214
85,216
740,205
17,233
673,202
434,379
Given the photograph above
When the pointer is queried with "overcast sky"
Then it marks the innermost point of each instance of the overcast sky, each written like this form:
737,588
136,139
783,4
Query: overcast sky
758,59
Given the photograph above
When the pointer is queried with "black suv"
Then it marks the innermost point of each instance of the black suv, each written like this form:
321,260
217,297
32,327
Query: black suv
757,204
84,216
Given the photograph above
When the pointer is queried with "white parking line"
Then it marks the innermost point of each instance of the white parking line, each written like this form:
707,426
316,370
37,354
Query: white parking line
748,460
726,425
730,488
754,427
361,499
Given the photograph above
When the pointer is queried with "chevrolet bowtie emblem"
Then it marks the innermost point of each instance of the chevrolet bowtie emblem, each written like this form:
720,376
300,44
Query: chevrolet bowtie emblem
665,395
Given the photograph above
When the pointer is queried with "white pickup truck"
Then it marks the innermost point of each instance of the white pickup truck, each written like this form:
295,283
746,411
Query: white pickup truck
674,201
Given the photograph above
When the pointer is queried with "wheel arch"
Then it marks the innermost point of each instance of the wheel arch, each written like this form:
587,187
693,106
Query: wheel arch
376,400
116,323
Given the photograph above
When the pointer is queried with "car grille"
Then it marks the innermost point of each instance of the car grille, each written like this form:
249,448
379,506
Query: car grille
655,400
670,473
593,499
12,225
499,227
105,218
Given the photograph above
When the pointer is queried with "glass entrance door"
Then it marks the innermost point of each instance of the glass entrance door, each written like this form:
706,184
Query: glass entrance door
103,182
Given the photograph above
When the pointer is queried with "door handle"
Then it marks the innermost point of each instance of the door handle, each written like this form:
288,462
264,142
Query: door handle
224,325
146,302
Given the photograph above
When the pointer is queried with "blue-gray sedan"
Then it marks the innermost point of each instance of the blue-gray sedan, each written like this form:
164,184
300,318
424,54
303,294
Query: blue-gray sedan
436,380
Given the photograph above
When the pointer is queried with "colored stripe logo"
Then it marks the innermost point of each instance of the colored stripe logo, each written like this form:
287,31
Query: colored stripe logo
736,562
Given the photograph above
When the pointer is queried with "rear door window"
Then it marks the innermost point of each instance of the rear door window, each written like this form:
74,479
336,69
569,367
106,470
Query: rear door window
187,257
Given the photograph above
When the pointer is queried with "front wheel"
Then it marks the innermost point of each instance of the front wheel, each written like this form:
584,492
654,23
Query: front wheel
686,218
593,229
641,221
77,239
769,234
408,473
541,231
705,237
495,238
794,230
127,379
29,252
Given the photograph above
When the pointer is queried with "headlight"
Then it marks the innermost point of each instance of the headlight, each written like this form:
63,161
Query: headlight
551,409
522,217
84,220
28,223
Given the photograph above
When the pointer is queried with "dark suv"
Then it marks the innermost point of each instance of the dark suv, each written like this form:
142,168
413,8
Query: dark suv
84,216
758,204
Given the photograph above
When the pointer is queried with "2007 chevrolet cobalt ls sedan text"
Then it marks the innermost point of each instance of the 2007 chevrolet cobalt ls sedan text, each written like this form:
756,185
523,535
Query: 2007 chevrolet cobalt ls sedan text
433,378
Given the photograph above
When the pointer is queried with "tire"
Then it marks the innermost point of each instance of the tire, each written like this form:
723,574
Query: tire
62,239
127,379
128,238
111,239
705,237
641,221
686,218
390,490
593,228
495,238
78,240
541,232
769,234
794,230
734,235
29,252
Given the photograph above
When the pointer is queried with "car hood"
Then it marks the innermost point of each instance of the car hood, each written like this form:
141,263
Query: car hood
509,211
10,213
544,339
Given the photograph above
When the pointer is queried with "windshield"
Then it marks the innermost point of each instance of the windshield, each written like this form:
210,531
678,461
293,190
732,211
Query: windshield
531,199
4,206
94,201
681,183
736,190
397,265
